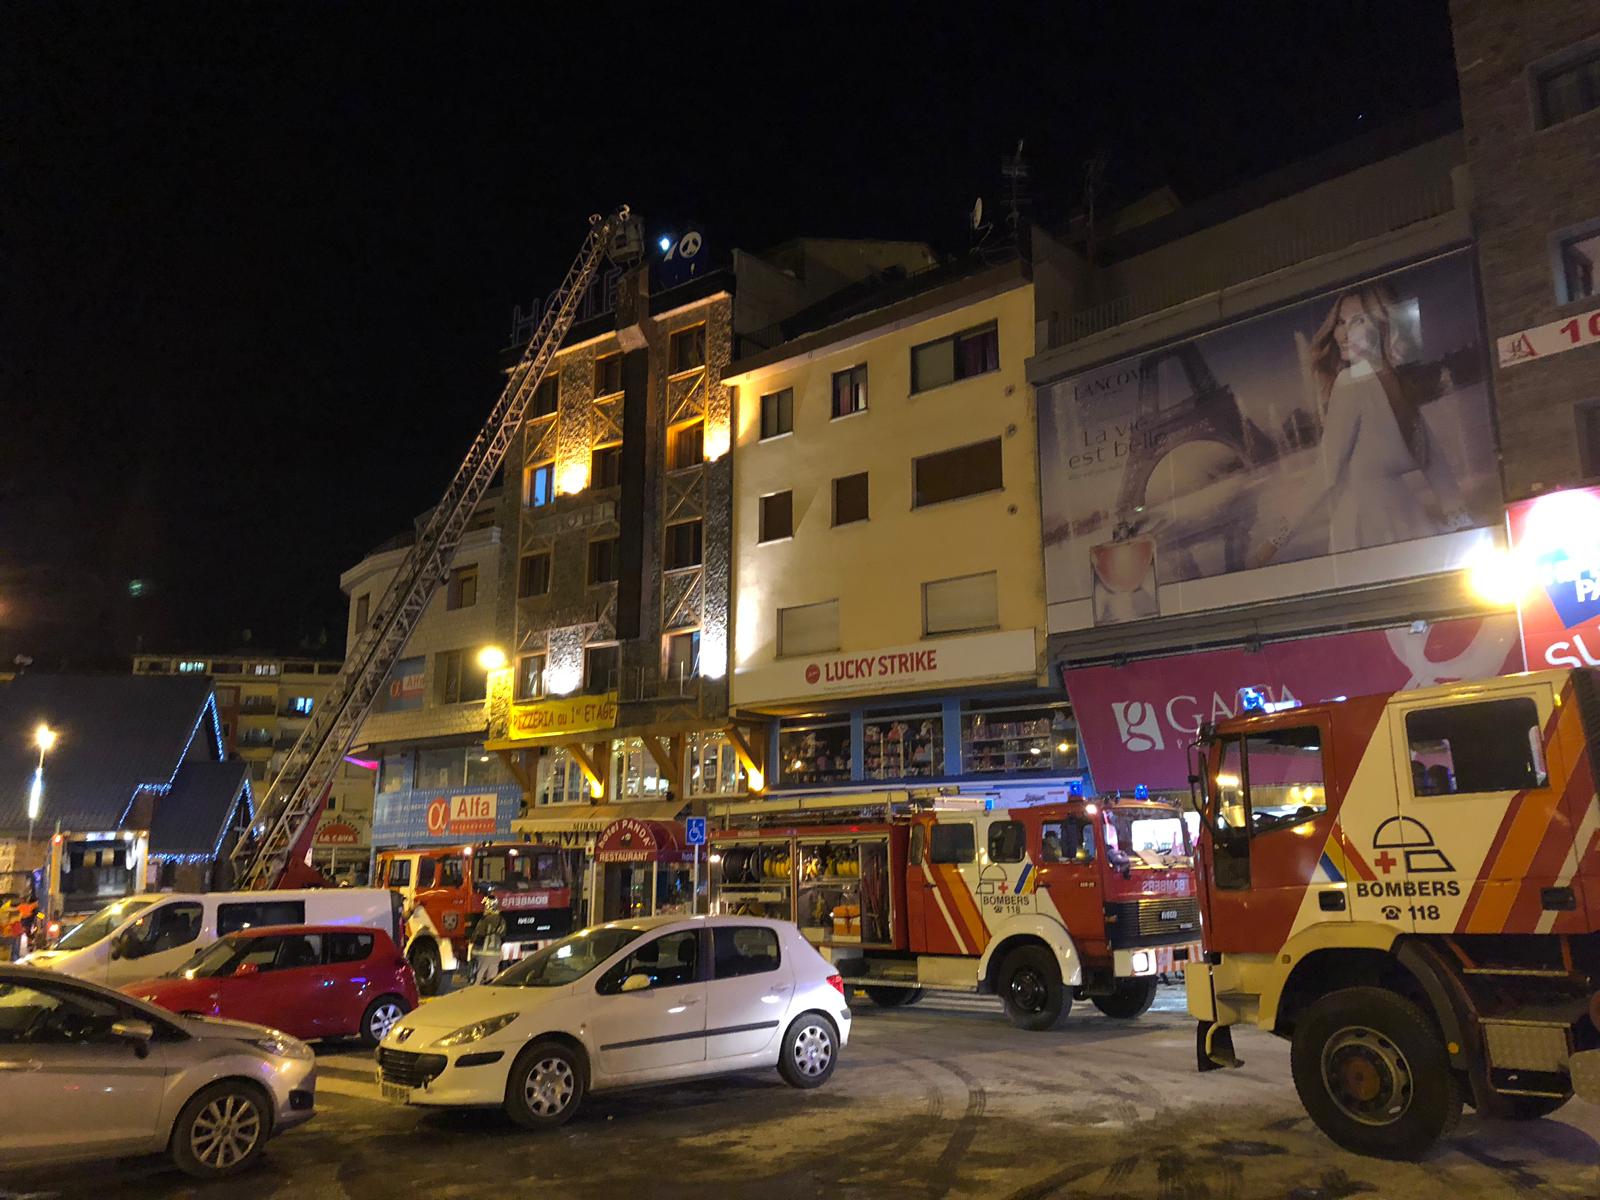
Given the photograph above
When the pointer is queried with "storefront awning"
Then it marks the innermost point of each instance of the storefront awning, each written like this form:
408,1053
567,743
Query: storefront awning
593,818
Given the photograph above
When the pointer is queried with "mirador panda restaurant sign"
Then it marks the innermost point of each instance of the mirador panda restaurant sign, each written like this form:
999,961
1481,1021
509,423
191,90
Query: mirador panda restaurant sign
934,663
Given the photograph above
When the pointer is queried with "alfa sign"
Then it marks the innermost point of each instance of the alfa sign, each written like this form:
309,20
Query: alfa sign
417,818
475,812
566,714
1555,546
936,663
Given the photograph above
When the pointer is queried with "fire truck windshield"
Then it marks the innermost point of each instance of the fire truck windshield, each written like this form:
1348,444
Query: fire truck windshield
1149,838
518,870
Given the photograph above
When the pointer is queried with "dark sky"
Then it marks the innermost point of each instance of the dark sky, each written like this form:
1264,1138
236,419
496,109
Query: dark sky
257,260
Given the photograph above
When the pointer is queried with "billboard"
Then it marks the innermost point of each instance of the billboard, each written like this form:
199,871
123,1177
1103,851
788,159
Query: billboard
1137,720
403,690
1356,419
444,815
1555,553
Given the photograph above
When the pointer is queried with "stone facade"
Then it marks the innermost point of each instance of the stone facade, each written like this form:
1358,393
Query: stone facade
1529,183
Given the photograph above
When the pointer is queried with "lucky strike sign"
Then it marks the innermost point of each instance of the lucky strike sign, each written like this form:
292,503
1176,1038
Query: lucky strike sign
930,664
1555,551
1137,721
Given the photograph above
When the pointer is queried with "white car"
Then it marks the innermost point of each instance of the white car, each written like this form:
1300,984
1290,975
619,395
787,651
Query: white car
617,1005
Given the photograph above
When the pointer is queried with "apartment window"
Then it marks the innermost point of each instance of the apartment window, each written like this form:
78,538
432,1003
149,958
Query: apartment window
301,706
363,611
1569,88
463,588
952,474
974,352
227,697
683,656
683,545
850,391
600,664
447,676
605,466
530,677
965,603
1578,255
1589,438
603,561
607,375
777,516
777,413
539,485
808,629
191,666
686,445
547,396
850,499
687,349
533,576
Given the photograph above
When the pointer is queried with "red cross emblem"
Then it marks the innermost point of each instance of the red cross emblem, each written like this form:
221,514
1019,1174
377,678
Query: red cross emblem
1385,862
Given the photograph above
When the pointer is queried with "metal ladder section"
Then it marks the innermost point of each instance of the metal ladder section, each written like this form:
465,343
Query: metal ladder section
297,794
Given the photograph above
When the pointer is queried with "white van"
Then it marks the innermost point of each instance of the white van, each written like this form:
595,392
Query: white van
146,935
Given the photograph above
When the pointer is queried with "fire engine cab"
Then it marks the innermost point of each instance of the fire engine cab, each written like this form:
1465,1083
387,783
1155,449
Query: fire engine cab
1039,904
1407,886
444,889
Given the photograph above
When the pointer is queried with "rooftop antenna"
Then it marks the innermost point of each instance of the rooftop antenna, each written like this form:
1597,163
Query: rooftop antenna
1014,170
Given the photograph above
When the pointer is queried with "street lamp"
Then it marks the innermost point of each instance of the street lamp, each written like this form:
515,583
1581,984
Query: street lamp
45,739
492,658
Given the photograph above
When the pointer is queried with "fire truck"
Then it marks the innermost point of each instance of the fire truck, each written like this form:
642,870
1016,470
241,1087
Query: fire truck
1040,904
444,889
1407,887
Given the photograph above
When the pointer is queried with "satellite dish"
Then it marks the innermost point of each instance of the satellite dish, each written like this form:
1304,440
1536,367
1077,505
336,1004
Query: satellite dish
977,213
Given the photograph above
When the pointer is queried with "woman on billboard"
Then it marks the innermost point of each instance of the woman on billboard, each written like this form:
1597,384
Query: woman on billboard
1373,435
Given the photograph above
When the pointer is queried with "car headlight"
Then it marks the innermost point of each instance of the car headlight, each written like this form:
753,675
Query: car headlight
478,1030
282,1046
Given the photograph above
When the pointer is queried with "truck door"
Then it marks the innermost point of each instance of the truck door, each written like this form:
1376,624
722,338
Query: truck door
1068,874
1267,859
949,918
1482,842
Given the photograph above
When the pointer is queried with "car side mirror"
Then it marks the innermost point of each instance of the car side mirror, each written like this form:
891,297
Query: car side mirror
140,1033
636,983
121,945
248,968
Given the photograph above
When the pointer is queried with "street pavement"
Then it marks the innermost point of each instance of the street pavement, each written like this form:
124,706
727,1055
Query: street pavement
945,1099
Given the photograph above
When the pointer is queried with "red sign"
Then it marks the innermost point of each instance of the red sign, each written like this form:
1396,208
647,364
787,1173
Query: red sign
476,813
1555,549
1581,330
1137,721
633,840
337,833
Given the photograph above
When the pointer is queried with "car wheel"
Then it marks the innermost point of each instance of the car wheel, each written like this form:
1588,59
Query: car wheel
379,1018
810,1051
545,1086
221,1130
1373,1073
1031,991
427,966
1132,998
893,997
1520,1108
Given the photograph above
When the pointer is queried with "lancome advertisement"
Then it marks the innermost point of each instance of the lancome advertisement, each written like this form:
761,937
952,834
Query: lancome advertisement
1356,419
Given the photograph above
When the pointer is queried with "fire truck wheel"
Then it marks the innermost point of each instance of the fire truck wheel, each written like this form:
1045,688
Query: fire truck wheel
809,1052
1030,988
426,966
1373,1073
1520,1108
1132,998
545,1086
893,997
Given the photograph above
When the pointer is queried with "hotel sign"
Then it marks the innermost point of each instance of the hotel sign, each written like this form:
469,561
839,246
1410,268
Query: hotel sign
565,714
936,663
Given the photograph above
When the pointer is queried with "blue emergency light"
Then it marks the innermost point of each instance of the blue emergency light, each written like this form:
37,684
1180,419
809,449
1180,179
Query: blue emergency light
1141,791
1075,788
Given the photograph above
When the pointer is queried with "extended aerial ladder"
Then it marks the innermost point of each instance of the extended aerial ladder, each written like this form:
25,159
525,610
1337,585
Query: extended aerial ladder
291,805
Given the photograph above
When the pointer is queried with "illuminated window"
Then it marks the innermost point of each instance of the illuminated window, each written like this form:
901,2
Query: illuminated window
683,545
530,677
192,666
607,375
850,499
687,350
777,517
301,706
539,485
686,445
974,352
777,413
850,391
605,466
683,656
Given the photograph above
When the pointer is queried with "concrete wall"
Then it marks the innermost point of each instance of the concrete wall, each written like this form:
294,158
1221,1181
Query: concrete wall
876,568
1528,184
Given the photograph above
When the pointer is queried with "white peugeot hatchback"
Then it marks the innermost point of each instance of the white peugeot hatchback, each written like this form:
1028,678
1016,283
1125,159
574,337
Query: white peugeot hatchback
630,1002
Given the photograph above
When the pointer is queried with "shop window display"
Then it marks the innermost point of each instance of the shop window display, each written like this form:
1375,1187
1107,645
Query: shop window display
903,746
1014,739
815,753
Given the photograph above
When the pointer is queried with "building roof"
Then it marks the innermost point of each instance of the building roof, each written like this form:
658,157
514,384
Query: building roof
117,733
194,815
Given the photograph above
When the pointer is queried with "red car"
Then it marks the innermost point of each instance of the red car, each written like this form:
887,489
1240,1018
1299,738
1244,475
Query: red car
311,981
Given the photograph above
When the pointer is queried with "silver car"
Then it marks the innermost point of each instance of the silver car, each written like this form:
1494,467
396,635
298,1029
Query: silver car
86,1072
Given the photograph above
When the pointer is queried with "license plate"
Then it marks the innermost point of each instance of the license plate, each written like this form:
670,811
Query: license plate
400,1095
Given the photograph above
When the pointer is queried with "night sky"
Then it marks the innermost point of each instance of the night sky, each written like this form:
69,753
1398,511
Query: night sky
257,260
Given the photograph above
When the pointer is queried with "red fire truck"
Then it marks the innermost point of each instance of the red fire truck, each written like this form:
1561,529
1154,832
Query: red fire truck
1039,904
444,888
1407,887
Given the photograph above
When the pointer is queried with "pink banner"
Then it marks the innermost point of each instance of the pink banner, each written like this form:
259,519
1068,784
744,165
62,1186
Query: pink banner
1137,721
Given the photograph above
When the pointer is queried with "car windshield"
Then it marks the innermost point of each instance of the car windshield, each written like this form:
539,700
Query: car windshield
102,923
1149,837
567,960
